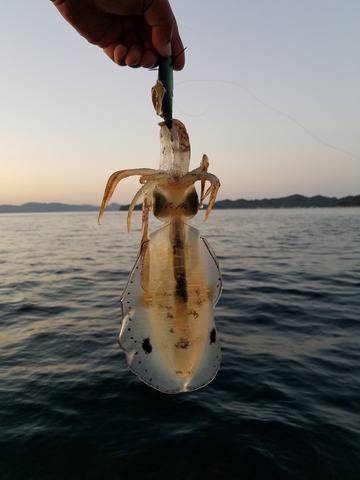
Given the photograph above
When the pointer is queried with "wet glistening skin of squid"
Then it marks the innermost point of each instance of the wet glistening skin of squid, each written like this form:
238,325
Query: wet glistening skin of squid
168,331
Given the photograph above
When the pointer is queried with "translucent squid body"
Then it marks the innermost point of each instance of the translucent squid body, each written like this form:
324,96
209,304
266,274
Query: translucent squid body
168,332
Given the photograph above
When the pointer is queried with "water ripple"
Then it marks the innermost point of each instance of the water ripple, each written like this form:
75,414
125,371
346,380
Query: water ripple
285,403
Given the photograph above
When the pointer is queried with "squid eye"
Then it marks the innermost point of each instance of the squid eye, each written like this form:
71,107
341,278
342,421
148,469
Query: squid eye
160,203
192,203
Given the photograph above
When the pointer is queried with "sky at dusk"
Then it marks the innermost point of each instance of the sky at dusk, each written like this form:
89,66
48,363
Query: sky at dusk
268,90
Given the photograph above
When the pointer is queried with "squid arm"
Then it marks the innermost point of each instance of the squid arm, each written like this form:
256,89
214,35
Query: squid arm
144,190
203,176
113,181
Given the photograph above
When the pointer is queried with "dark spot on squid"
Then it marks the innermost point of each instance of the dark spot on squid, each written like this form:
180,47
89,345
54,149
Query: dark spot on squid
178,245
212,336
182,343
179,372
170,315
180,291
193,202
159,203
146,345
171,330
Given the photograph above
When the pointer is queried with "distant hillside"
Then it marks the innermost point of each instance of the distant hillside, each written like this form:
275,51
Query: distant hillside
35,207
292,201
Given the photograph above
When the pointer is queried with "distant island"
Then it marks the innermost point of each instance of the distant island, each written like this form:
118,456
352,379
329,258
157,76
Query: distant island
292,201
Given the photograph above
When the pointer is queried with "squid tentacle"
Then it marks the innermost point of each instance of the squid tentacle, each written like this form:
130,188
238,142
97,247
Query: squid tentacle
143,191
150,177
157,175
214,190
192,177
204,165
204,168
207,193
113,181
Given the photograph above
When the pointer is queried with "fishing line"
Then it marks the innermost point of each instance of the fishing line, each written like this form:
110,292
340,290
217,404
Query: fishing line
286,115
183,112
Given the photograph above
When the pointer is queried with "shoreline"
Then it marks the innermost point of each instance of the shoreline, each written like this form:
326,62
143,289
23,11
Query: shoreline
291,201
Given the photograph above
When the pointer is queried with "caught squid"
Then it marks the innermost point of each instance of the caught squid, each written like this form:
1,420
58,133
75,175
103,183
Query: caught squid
168,331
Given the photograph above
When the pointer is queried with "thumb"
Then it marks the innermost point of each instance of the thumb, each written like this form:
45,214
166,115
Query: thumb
161,40
160,18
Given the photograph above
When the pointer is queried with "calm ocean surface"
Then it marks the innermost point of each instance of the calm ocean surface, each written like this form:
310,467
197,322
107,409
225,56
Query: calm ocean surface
284,405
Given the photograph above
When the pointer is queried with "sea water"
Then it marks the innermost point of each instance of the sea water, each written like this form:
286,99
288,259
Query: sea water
284,405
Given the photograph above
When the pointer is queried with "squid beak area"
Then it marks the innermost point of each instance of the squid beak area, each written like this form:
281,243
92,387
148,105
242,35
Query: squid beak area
175,201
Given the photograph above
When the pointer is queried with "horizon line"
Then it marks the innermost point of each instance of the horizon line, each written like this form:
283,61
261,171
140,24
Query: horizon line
218,200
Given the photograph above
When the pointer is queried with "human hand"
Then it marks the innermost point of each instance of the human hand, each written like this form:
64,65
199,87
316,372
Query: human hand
131,32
